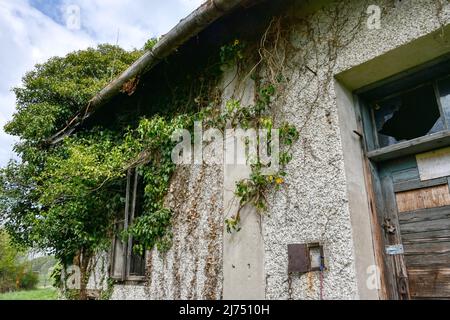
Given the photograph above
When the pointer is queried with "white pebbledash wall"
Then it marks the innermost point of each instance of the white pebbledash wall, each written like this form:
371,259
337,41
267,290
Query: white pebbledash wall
324,198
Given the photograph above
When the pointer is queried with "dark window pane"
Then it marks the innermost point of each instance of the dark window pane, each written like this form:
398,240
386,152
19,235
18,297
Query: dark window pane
406,116
137,262
444,90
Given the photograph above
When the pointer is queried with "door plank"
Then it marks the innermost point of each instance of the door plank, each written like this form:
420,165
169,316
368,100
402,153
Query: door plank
434,164
430,236
425,226
425,198
409,174
427,248
394,238
418,216
418,184
429,283
387,277
428,260
425,215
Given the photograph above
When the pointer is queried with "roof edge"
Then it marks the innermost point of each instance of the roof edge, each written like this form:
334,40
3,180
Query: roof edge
188,27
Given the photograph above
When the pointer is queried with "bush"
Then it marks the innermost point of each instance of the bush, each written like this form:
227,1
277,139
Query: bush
6,284
28,280
15,273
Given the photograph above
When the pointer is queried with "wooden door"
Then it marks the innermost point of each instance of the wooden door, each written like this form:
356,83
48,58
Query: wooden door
416,228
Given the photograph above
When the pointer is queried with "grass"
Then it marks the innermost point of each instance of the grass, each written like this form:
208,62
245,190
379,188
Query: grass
37,294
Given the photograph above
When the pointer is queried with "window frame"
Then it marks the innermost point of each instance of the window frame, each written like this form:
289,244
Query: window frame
127,246
414,79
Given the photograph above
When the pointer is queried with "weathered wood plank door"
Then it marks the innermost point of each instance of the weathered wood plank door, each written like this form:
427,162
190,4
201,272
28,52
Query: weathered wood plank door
416,228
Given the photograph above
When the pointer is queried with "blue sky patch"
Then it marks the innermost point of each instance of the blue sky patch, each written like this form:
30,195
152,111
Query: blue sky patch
51,8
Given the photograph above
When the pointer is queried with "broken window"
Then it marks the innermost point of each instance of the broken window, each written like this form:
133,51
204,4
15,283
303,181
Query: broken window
407,115
444,91
127,264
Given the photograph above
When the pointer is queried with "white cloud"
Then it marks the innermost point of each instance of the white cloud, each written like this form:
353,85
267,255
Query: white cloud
136,21
28,36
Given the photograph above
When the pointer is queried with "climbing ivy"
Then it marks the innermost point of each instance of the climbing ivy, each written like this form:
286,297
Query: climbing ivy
153,139
65,198
232,53
253,190
107,294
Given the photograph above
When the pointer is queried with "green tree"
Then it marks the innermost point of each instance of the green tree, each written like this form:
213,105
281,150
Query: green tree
55,91
63,198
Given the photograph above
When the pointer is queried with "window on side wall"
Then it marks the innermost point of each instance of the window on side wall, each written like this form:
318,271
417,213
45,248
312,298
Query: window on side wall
127,263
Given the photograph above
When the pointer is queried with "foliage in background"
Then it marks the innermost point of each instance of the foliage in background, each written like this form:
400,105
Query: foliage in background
49,97
38,294
15,271
62,199
150,43
43,266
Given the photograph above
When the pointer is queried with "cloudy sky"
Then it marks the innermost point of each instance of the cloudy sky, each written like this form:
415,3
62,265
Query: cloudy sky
31,31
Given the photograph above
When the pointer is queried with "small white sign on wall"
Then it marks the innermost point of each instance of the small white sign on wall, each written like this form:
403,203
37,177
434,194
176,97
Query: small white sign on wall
434,164
395,249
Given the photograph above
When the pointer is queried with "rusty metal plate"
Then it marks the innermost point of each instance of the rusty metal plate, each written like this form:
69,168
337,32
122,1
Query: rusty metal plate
298,257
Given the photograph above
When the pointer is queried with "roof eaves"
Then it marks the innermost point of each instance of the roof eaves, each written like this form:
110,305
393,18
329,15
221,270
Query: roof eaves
190,26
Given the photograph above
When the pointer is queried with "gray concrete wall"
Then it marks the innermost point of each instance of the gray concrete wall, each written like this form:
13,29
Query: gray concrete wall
358,202
243,252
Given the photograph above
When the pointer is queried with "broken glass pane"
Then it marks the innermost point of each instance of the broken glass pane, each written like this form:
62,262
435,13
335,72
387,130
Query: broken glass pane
444,90
406,116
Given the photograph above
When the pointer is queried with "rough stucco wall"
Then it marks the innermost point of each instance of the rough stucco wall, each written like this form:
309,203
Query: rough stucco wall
401,22
192,268
99,275
313,205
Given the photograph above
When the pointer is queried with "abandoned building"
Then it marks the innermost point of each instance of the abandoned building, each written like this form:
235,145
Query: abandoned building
364,212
